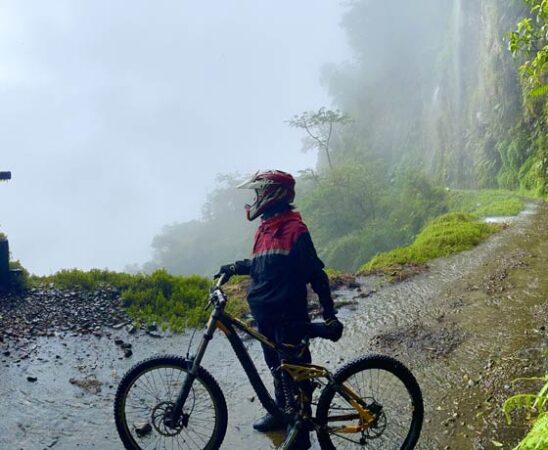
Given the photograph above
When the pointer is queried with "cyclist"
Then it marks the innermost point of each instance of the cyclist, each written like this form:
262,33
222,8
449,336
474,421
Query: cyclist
283,262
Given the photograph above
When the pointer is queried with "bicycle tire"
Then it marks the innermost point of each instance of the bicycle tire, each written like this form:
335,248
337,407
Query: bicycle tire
364,375
165,374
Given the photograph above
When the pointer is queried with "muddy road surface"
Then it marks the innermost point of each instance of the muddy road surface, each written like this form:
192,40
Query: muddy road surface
467,327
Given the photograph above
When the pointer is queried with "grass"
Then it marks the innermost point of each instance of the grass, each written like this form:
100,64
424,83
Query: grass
171,301
487,202
92,279
537,438
447,234
454,232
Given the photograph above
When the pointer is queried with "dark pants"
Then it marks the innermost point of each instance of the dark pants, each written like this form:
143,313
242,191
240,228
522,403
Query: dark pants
286,333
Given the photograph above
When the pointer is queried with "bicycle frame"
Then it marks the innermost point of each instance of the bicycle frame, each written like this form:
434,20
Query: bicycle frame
219,319
223,321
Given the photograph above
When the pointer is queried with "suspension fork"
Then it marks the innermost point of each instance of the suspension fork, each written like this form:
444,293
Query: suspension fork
191,374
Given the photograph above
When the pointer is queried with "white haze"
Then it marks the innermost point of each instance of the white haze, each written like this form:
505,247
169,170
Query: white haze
115,117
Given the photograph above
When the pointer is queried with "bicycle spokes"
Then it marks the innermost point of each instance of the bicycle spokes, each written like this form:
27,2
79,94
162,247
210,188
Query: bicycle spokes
375,403
149,409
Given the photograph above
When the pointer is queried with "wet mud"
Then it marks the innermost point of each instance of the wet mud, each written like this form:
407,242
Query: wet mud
466,327
419,341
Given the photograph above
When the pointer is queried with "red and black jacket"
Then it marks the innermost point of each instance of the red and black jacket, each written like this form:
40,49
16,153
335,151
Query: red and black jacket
283,261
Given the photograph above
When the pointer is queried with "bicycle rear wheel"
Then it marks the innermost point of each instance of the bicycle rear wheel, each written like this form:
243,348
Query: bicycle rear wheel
390,392
146,396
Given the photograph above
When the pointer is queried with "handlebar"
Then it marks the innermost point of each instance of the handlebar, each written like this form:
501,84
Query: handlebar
331,331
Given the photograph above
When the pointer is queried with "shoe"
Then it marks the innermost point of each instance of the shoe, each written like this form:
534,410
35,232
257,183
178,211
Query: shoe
269,423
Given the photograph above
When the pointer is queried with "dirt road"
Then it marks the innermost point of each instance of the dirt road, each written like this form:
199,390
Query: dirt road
466,328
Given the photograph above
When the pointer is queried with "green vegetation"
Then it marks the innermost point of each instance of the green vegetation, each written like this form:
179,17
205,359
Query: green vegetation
529,43
537,438
471,119
531,39
450,233
92,279
174,301
355,211
171,301
483,203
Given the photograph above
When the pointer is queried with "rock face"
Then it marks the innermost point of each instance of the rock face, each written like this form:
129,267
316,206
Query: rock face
47,311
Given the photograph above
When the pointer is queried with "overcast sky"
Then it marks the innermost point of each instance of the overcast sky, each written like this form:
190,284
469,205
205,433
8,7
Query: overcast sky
115,117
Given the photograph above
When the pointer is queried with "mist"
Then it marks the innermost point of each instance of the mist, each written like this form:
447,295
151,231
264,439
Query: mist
117,117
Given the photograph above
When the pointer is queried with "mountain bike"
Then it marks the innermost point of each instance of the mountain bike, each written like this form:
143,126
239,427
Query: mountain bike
171,402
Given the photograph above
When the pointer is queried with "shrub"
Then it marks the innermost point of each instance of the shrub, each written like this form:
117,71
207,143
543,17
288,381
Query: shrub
170,300
92,279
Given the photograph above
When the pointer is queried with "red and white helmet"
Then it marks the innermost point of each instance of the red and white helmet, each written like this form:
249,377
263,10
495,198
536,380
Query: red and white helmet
272,188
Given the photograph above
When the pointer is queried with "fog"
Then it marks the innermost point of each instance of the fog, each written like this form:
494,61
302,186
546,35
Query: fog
116,116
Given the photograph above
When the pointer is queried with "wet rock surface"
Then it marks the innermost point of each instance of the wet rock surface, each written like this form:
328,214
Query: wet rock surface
48,311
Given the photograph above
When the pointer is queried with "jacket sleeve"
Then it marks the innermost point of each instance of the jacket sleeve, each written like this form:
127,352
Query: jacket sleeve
312,271
242,267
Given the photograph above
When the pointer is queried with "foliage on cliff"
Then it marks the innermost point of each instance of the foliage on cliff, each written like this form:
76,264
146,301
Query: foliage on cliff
431,104
529,44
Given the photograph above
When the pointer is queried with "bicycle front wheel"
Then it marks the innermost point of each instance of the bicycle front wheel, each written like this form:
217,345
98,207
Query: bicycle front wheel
389,392
146,396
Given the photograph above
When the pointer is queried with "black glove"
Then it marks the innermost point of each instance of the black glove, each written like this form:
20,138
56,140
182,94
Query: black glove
227,270
335,328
